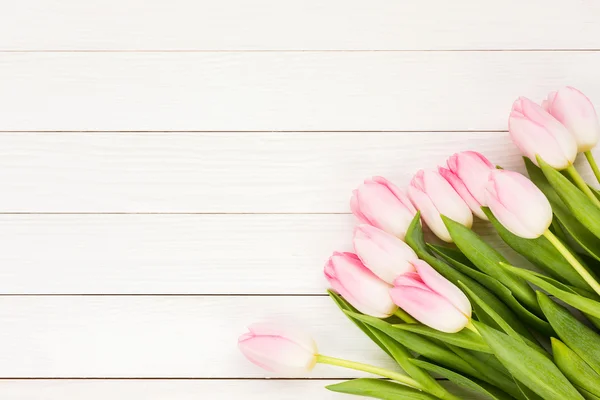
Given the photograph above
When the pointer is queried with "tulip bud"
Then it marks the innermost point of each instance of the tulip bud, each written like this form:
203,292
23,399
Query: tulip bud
384,254
431,299
534,131
434,196
576,112
518,204
380,203
348,276
279,350
468,174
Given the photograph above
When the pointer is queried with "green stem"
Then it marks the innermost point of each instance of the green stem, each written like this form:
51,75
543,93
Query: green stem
592,161
338,362
404,316
566,253
472,328
582,185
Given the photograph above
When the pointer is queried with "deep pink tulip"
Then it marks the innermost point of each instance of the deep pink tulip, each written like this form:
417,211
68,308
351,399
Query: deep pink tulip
383,253
518,204
576,112
279,350
468,173
434,196
431,299
535,131
380,203
349,277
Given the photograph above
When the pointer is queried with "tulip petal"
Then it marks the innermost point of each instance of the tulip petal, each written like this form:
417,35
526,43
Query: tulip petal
460,188
429,213
440,285
473,169
295,335
429,308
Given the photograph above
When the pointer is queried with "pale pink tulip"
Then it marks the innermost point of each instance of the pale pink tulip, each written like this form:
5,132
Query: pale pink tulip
431,299
380,203
468,174
349,277
535,131
282,351
518,204
384,254
576,112
434,196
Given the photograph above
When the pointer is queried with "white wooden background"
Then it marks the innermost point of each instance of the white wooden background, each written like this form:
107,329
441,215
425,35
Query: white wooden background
171,171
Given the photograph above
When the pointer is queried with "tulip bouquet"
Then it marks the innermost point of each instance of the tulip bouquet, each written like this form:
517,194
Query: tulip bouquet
461,310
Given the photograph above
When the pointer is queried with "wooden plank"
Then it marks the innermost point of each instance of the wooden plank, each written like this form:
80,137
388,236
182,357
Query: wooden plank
219,172
178,390
173,254
162,337
306,25
274,91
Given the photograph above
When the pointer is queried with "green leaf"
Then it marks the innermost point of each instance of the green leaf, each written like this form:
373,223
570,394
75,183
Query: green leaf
578,337
580,206
528,393
575,368
414,238
379,389
503,324
501,291
461,380
531,368
418,344
563,292
465,338
449,253
486,258
539,252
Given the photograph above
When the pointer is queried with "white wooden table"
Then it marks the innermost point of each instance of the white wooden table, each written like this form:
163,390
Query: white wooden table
171,171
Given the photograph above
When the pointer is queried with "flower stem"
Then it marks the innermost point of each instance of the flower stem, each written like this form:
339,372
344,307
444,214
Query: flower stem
582,185
404,316
338,362
592,161
566,253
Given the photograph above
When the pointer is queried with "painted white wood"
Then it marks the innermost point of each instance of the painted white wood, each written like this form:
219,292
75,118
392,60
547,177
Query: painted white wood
220,172
293,25
174,254
271,91
168,337
179,390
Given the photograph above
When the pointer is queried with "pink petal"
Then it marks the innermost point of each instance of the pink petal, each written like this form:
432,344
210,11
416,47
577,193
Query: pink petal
443,287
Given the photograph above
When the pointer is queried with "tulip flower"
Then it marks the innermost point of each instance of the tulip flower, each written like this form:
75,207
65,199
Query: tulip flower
380,203
292,353
431,299
576,112
279,350
468,174
384,254
349,277
536,132
518,204
434,196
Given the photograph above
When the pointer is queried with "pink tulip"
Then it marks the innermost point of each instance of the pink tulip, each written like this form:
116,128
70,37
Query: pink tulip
576,112
384,254
434,196
348,276
380,203
534,131
468,174
518,204
431,299
279,350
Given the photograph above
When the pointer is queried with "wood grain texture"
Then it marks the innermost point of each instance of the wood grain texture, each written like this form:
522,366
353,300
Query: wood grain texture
306,25
175,254
274,91
163,337
179,390
220,172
